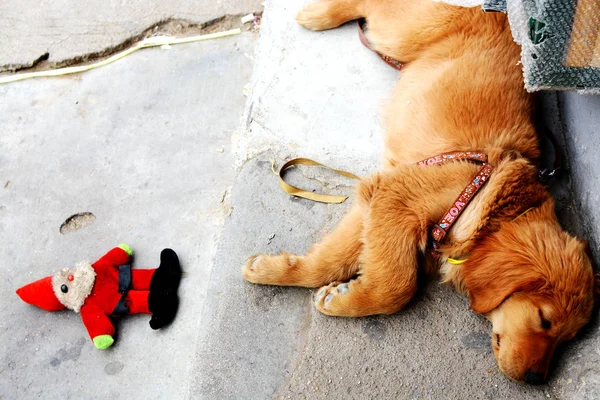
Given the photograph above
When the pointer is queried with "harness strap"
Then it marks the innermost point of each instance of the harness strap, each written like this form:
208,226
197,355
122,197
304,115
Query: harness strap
546,174
439,230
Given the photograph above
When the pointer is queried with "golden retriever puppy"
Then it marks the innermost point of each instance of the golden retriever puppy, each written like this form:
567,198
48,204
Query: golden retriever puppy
461,90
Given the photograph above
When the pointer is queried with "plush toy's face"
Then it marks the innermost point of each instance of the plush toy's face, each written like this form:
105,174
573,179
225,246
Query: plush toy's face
73,285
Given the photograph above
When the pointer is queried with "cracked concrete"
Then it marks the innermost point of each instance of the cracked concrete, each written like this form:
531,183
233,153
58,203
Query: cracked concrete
66,29
144,145
173,28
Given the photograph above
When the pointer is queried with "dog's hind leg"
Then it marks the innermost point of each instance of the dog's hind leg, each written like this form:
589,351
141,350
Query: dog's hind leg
333,259
400,29
328,14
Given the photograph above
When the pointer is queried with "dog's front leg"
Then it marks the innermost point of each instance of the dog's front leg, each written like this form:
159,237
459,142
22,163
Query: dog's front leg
333,259
387,278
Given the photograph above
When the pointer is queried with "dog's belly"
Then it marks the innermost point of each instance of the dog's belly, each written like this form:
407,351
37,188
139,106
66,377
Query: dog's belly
410,137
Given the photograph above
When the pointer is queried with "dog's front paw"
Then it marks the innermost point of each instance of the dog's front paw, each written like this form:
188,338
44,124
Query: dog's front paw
269,270
252,270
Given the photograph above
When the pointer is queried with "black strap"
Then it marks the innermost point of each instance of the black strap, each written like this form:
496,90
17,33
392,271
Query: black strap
124,285
547,174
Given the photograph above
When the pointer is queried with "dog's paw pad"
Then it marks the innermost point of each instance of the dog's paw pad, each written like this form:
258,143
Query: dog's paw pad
325,294
342,288
319,295
328,297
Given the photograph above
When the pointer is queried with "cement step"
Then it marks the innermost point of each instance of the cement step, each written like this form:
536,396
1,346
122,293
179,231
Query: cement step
319,95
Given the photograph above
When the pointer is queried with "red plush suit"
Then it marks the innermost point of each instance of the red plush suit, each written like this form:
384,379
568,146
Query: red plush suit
105,294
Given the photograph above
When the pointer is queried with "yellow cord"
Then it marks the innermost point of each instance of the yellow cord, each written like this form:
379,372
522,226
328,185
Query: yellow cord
454,261
523,213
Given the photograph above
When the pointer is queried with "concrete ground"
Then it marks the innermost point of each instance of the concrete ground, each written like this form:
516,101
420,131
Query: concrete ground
145,145
165,150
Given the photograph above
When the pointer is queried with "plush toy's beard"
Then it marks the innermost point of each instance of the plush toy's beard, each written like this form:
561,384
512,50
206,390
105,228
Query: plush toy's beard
77,282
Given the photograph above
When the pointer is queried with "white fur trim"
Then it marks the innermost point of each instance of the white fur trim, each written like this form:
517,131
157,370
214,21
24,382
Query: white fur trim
79,288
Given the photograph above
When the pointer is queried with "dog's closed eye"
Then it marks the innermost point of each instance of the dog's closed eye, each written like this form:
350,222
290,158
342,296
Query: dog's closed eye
546,325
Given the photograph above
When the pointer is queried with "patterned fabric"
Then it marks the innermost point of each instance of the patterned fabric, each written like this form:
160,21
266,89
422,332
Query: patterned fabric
560,41
439,230
494,5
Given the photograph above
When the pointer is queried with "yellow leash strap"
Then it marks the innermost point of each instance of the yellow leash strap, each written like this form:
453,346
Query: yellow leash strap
294,191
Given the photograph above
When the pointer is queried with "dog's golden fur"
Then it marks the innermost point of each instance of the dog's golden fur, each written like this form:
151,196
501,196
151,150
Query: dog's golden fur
461,89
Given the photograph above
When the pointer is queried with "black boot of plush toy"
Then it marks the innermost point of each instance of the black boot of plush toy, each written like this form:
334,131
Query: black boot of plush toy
163,300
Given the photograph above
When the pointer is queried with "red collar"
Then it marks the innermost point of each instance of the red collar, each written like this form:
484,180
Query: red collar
389,60
439,230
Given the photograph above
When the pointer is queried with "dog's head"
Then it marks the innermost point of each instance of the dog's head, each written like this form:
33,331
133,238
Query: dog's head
535,283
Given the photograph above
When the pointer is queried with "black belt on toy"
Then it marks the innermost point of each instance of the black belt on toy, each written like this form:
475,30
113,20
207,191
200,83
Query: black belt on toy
124,285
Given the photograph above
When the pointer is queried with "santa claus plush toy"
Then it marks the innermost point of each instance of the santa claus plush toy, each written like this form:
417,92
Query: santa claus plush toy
108,288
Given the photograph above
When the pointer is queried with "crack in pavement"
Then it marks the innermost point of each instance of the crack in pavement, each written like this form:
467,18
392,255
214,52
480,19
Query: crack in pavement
170,26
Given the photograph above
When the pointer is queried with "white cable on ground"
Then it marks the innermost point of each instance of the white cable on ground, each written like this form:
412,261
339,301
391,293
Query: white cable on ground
148,42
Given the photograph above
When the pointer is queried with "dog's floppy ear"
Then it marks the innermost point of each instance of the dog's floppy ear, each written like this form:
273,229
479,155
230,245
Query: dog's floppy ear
490,283
496,269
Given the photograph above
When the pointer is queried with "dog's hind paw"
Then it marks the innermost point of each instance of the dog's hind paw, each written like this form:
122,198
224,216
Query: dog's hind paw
316,16
328,299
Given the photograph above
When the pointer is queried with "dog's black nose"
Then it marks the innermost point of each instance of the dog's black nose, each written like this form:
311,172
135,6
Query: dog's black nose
534,378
